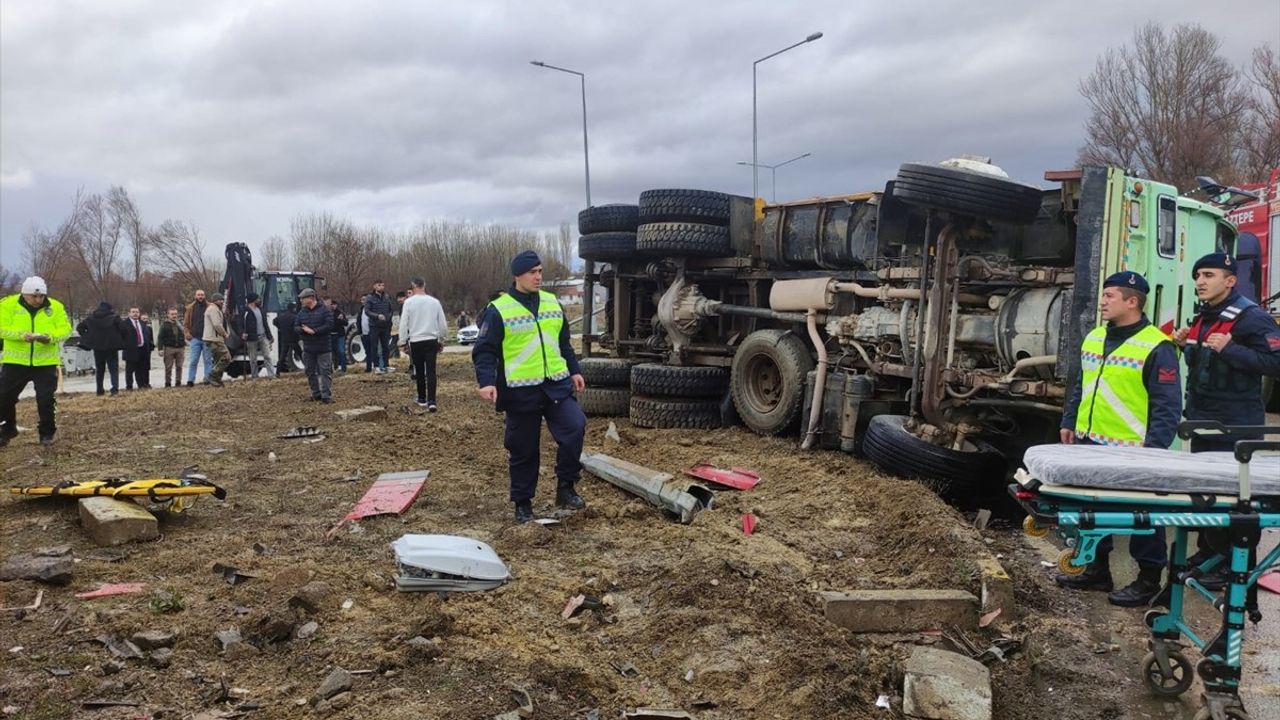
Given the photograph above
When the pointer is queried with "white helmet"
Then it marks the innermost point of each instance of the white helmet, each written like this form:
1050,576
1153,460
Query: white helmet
34,285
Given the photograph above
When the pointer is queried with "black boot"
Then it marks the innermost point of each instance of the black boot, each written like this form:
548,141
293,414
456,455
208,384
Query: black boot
524,511
1096,576
568,499
1140,592
1217,578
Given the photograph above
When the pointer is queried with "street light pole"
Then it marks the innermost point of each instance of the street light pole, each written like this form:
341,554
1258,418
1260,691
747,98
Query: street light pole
755,158
774,170
588,268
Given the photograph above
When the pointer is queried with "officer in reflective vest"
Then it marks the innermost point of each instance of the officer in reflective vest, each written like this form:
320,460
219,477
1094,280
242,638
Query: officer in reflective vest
526,367
1229,346
33,327
1129,395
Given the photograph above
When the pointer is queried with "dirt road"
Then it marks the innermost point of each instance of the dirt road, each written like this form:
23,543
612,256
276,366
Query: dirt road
701,617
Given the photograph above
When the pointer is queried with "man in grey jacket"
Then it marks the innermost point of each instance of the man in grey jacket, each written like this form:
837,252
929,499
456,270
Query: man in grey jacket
215,339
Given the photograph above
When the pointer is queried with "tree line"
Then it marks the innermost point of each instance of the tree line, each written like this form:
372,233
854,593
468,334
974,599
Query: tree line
1170,107
102,250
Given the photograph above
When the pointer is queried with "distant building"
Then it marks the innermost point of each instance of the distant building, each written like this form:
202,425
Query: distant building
569,292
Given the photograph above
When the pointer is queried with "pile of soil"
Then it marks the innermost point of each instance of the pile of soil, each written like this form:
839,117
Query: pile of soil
699,617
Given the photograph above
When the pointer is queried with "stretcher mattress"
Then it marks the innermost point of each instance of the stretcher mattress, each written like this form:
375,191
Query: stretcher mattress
1150,469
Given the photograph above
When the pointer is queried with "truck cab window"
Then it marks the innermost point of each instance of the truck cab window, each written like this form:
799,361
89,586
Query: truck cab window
1166,227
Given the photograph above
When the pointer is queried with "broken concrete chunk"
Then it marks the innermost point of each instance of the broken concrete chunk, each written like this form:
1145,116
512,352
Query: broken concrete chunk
160,657
120,648
152,639
227,637
368,413
942,685
306,630
52,569
311,597
116,522
339,681
271,628
882,611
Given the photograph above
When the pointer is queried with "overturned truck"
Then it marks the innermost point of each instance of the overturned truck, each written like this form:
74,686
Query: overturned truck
932,326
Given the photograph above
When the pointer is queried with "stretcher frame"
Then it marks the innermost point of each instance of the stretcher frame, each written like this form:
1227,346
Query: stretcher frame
1082,517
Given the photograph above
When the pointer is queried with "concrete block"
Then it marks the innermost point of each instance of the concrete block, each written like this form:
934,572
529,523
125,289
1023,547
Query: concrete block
55,568
900,610
368,413
115,522
997,587
941,685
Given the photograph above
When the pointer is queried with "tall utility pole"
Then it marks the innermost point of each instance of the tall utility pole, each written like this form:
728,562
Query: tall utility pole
588,268
755,157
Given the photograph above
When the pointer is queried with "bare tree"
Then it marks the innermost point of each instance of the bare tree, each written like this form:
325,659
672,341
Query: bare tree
275,254
346,256
1260,138
127,221
177,248
1169,107
10,281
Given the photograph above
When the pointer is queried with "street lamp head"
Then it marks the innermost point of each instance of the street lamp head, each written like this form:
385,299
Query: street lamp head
539,63
813,37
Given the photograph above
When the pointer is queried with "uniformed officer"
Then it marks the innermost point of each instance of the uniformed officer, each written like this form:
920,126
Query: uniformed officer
33,326
1229,346
525,365
1129,395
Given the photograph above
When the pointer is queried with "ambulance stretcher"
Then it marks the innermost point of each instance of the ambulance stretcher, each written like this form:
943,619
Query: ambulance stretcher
1087,492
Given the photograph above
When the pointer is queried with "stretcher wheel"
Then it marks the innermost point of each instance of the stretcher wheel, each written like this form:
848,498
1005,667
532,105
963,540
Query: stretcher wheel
1175,684
1033,528
1065,566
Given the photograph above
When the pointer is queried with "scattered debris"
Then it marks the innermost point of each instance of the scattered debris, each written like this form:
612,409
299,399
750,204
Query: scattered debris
231,574
1270,581
58,672
684,499
311,597
987,618
338,681
228,637
272,457
688,675
348,604
981,520
260,549
737,478
612,433
883,702
942,685
98,704
578,603
160,658
153,639
390,494
41,566
748,524
447,563
626,669
35,604
650,713
216,451
524,703
424,648
306,630
1001,649
122,649
546,521
111,522
302,431
109,589
368,413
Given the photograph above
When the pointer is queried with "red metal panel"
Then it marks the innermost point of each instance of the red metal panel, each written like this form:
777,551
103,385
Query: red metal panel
391,493
739,478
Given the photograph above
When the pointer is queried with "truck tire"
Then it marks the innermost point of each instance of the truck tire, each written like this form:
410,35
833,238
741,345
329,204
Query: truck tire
684,206
667,413
607,246
683,239
967,192
951,473
605,401
767,380
678,382
607,372
608,218
356,350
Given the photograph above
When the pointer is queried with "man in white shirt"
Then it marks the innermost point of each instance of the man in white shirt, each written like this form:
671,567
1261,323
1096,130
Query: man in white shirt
423,328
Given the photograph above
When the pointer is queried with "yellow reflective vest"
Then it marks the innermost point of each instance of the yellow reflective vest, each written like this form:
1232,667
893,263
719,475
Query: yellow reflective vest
16,320
1113,398
531,344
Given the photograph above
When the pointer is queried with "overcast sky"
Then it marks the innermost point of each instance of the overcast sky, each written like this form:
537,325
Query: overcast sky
239,115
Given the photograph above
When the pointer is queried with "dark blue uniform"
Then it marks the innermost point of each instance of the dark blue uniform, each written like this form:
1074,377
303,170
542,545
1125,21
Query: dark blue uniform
526,407
1227,386
1164,405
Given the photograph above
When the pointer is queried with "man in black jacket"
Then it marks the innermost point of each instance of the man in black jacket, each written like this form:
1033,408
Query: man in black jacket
314,325
289,349
378,307
256,335
138,344
103,333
